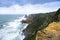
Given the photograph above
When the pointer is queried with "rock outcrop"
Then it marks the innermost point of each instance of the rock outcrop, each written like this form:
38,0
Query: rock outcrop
29,19
40,22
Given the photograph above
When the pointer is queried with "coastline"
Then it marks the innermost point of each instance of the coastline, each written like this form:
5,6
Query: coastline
39,22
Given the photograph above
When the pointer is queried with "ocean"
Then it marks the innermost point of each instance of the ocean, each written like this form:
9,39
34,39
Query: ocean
11,27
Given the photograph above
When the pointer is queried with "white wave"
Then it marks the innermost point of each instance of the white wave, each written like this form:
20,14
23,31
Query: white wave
13,30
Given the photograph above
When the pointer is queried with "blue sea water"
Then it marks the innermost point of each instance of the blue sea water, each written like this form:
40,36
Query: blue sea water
11,27
7,17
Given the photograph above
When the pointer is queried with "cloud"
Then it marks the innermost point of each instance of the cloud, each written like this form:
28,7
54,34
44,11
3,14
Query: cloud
7,3
40,1
30,8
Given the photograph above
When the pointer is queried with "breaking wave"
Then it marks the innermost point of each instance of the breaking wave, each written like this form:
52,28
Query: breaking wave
13,30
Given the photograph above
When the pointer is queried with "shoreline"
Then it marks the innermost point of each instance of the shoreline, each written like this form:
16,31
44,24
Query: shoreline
39,22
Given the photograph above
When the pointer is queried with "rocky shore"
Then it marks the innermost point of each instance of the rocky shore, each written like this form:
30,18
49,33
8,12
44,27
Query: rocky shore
38,22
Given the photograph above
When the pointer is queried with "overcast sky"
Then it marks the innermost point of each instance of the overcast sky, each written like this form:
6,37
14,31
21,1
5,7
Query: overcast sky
28,6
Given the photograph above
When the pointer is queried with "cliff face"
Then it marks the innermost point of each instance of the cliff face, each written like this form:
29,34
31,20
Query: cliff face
40,22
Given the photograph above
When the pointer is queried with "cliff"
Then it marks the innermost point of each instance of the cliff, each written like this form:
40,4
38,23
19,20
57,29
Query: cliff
38,22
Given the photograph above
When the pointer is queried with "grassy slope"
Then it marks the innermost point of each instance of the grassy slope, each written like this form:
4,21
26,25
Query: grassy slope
52,32
40,22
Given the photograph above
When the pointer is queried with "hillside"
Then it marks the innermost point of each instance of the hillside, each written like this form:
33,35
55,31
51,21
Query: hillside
39,22
52,32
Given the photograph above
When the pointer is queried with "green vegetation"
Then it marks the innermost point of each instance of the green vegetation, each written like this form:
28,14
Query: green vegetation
39,22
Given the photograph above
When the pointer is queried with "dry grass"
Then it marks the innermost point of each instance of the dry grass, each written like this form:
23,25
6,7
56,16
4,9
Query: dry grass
52,32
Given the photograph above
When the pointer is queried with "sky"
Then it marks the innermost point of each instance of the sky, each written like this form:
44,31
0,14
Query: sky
28,6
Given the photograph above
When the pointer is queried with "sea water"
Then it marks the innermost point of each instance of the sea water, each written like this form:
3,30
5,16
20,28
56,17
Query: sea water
11,27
